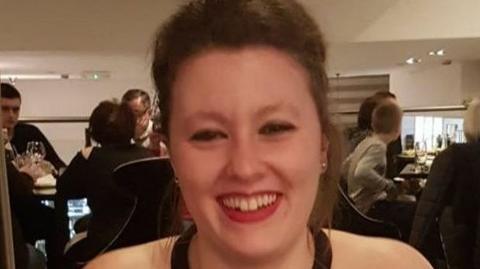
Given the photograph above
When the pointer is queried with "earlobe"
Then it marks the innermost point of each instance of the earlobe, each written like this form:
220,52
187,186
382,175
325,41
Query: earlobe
324,152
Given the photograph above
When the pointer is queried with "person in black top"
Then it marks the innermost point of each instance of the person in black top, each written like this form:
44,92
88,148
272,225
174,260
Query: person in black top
20,134
446,227
90,175
34,220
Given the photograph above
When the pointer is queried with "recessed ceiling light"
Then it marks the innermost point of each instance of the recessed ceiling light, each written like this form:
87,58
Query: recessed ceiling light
439,52
413,60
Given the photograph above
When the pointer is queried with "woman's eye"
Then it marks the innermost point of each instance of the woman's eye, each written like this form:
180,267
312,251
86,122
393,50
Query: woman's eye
276,128
207,135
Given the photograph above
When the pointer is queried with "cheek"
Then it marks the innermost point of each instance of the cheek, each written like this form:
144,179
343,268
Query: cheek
196,173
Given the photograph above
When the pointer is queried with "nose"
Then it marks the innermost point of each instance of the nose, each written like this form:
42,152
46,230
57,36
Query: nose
245,161
11,113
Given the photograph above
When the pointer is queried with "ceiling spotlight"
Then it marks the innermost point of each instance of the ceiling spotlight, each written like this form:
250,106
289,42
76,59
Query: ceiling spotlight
412,60
439,52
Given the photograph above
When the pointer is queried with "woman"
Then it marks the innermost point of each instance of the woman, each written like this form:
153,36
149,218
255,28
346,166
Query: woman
89,174
242,90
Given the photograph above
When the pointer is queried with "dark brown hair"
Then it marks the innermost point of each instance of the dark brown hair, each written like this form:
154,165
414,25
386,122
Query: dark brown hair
9,91
364,120
386,118
225,24
112,124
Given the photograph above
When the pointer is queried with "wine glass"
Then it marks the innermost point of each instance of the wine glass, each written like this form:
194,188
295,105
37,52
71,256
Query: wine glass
36,151
420,154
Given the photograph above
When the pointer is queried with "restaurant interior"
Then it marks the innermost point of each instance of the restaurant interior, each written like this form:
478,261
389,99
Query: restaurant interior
67,56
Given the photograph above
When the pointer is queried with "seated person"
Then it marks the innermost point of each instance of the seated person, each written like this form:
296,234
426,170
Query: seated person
451,197
365,169
146,131
32,218
26,256
89,174
19,134
363,129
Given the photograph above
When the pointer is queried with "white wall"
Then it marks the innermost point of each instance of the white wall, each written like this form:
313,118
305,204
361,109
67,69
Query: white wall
431,86
436,85
424,19
471,80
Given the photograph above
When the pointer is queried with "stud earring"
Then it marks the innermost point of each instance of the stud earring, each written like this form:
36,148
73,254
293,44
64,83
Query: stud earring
176,180
324,166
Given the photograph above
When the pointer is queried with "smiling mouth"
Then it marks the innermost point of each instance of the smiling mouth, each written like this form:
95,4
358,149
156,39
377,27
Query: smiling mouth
249,208
248,204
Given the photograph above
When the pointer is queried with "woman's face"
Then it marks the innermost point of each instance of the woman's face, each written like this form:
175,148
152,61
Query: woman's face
247,147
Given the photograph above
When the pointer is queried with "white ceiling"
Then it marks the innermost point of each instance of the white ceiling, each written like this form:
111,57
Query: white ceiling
369,36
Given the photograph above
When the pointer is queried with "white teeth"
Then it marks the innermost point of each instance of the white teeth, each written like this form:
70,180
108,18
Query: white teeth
259,201
252,203
243,205
265,199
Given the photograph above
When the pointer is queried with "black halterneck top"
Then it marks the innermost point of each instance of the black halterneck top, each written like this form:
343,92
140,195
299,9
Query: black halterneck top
323,251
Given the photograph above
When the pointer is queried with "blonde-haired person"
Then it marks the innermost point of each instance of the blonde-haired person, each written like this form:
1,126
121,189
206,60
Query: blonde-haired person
471,123
243,91
446,217
365,171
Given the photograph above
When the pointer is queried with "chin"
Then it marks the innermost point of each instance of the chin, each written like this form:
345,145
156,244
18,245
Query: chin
255,248
254,243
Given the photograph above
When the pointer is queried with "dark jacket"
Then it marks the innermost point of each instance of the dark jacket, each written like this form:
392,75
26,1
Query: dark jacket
449,207
28,215
92,179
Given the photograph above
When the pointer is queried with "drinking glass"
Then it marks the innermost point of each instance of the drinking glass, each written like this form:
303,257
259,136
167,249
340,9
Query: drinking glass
420,153
36,151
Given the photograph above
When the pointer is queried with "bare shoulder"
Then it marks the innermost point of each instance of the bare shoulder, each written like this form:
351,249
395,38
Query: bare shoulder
155,254
370,252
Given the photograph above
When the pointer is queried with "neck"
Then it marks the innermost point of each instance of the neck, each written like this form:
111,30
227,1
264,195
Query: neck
386,138
10,133
300,254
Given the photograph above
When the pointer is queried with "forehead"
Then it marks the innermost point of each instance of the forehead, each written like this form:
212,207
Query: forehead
10,102
137,104
251,75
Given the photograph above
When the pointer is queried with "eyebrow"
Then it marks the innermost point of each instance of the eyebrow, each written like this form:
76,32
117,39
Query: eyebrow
269,109
9,107
262,112
210,115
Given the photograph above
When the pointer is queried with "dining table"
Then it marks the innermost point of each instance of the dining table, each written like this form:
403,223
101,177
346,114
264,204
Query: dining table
413,170
45,188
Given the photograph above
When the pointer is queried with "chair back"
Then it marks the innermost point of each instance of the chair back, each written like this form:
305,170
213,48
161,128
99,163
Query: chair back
147,180
348,218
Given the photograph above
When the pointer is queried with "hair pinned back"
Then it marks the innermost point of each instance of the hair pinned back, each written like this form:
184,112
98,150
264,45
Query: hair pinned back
284,25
